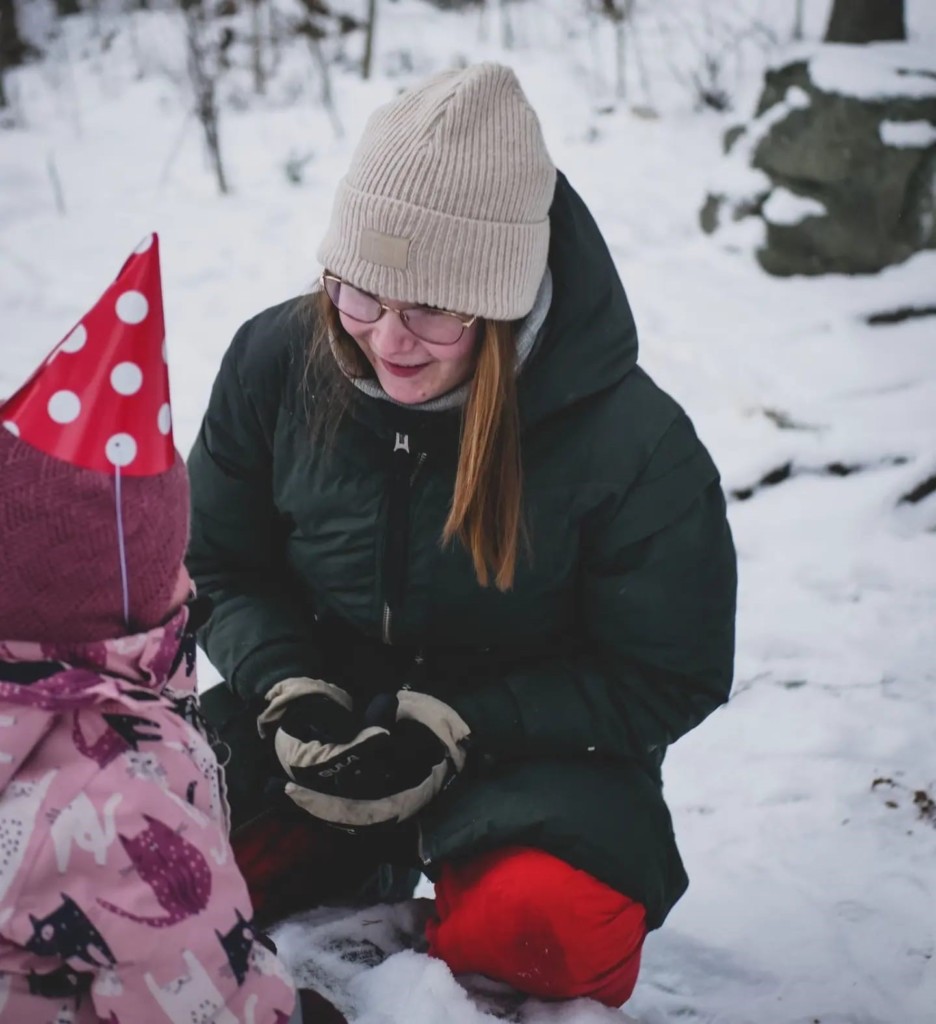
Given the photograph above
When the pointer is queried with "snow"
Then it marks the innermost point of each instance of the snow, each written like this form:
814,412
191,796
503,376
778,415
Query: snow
739,181
813,894
366,963
796,98
908,134
875,71
786,208
734,177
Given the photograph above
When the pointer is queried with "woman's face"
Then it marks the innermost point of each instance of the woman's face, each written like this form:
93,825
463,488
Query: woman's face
410,370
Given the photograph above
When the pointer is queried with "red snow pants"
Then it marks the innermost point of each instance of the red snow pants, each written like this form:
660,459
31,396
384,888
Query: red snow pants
527,918
517,915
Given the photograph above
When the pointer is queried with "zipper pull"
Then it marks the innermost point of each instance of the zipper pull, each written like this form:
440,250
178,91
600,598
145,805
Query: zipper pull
401,443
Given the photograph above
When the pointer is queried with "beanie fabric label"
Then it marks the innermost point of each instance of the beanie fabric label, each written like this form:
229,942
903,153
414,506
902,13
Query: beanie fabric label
384,250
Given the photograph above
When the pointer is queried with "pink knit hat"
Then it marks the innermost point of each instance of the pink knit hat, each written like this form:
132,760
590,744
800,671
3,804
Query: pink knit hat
94,507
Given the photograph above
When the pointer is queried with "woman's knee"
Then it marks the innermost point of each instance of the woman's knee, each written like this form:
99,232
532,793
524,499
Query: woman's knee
525,917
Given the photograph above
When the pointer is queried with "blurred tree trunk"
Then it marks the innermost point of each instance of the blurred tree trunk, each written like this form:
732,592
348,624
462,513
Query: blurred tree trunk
507,29
205,56
12,47
618,12
798,21
317,26
256,46
368,62
866,21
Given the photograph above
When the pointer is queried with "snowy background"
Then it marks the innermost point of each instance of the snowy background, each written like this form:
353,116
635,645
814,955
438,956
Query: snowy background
802,807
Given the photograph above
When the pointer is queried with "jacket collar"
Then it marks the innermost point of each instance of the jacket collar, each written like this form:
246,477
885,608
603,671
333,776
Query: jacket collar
58,677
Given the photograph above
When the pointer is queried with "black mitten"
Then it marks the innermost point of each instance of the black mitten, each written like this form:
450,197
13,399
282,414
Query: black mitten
411,746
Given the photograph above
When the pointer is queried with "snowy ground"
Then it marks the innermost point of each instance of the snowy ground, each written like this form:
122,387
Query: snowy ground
799,806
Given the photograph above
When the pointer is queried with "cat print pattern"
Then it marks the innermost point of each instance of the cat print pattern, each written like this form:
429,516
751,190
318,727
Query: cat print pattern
173,868
191,997
79,823
19,805
121,733
67,933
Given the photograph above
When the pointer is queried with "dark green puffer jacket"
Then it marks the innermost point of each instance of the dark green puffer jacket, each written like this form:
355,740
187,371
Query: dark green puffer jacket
616,639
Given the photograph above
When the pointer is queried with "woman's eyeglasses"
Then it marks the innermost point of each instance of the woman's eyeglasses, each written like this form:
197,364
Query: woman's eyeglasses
435,326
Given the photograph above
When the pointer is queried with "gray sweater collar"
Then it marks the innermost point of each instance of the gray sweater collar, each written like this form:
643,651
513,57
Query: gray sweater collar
526,342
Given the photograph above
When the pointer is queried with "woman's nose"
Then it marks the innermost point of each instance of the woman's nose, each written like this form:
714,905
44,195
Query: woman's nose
390,334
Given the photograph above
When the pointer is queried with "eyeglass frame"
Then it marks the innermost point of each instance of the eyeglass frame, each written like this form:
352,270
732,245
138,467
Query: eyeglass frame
401,313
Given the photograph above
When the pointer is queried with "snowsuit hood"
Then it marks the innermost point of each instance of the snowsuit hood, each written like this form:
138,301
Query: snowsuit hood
46,679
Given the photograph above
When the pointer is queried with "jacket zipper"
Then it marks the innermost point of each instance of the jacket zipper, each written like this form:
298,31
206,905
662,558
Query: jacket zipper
420,459
403,473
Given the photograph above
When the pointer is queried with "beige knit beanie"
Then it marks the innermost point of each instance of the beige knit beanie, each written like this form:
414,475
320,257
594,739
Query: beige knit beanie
446,202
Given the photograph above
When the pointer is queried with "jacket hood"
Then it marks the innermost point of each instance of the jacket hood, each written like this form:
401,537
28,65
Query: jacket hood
589,340
39,681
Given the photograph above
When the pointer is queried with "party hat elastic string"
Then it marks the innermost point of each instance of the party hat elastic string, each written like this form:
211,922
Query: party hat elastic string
121,547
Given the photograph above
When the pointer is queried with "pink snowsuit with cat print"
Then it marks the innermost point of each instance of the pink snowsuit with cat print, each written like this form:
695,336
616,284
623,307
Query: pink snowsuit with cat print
119,897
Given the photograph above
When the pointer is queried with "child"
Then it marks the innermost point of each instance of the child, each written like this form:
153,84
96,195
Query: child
119,897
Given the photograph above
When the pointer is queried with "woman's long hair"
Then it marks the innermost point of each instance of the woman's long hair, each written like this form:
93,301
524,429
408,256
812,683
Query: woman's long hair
486,514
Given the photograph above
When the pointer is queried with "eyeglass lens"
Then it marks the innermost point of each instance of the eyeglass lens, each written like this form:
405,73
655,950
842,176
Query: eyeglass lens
432,325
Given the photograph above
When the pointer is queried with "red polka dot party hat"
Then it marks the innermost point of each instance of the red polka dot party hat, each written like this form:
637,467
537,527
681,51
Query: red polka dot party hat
100,400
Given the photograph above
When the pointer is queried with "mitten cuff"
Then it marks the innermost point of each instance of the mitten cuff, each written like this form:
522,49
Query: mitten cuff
278,696
441,718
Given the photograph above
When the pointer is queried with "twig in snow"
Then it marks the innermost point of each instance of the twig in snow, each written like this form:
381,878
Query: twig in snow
56,184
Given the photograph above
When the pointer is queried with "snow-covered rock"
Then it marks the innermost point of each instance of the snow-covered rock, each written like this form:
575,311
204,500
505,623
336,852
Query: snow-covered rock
845,139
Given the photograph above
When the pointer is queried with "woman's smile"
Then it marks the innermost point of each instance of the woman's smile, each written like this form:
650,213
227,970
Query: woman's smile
401,369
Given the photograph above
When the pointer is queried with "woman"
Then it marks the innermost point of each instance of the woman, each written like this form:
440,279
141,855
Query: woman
470,566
